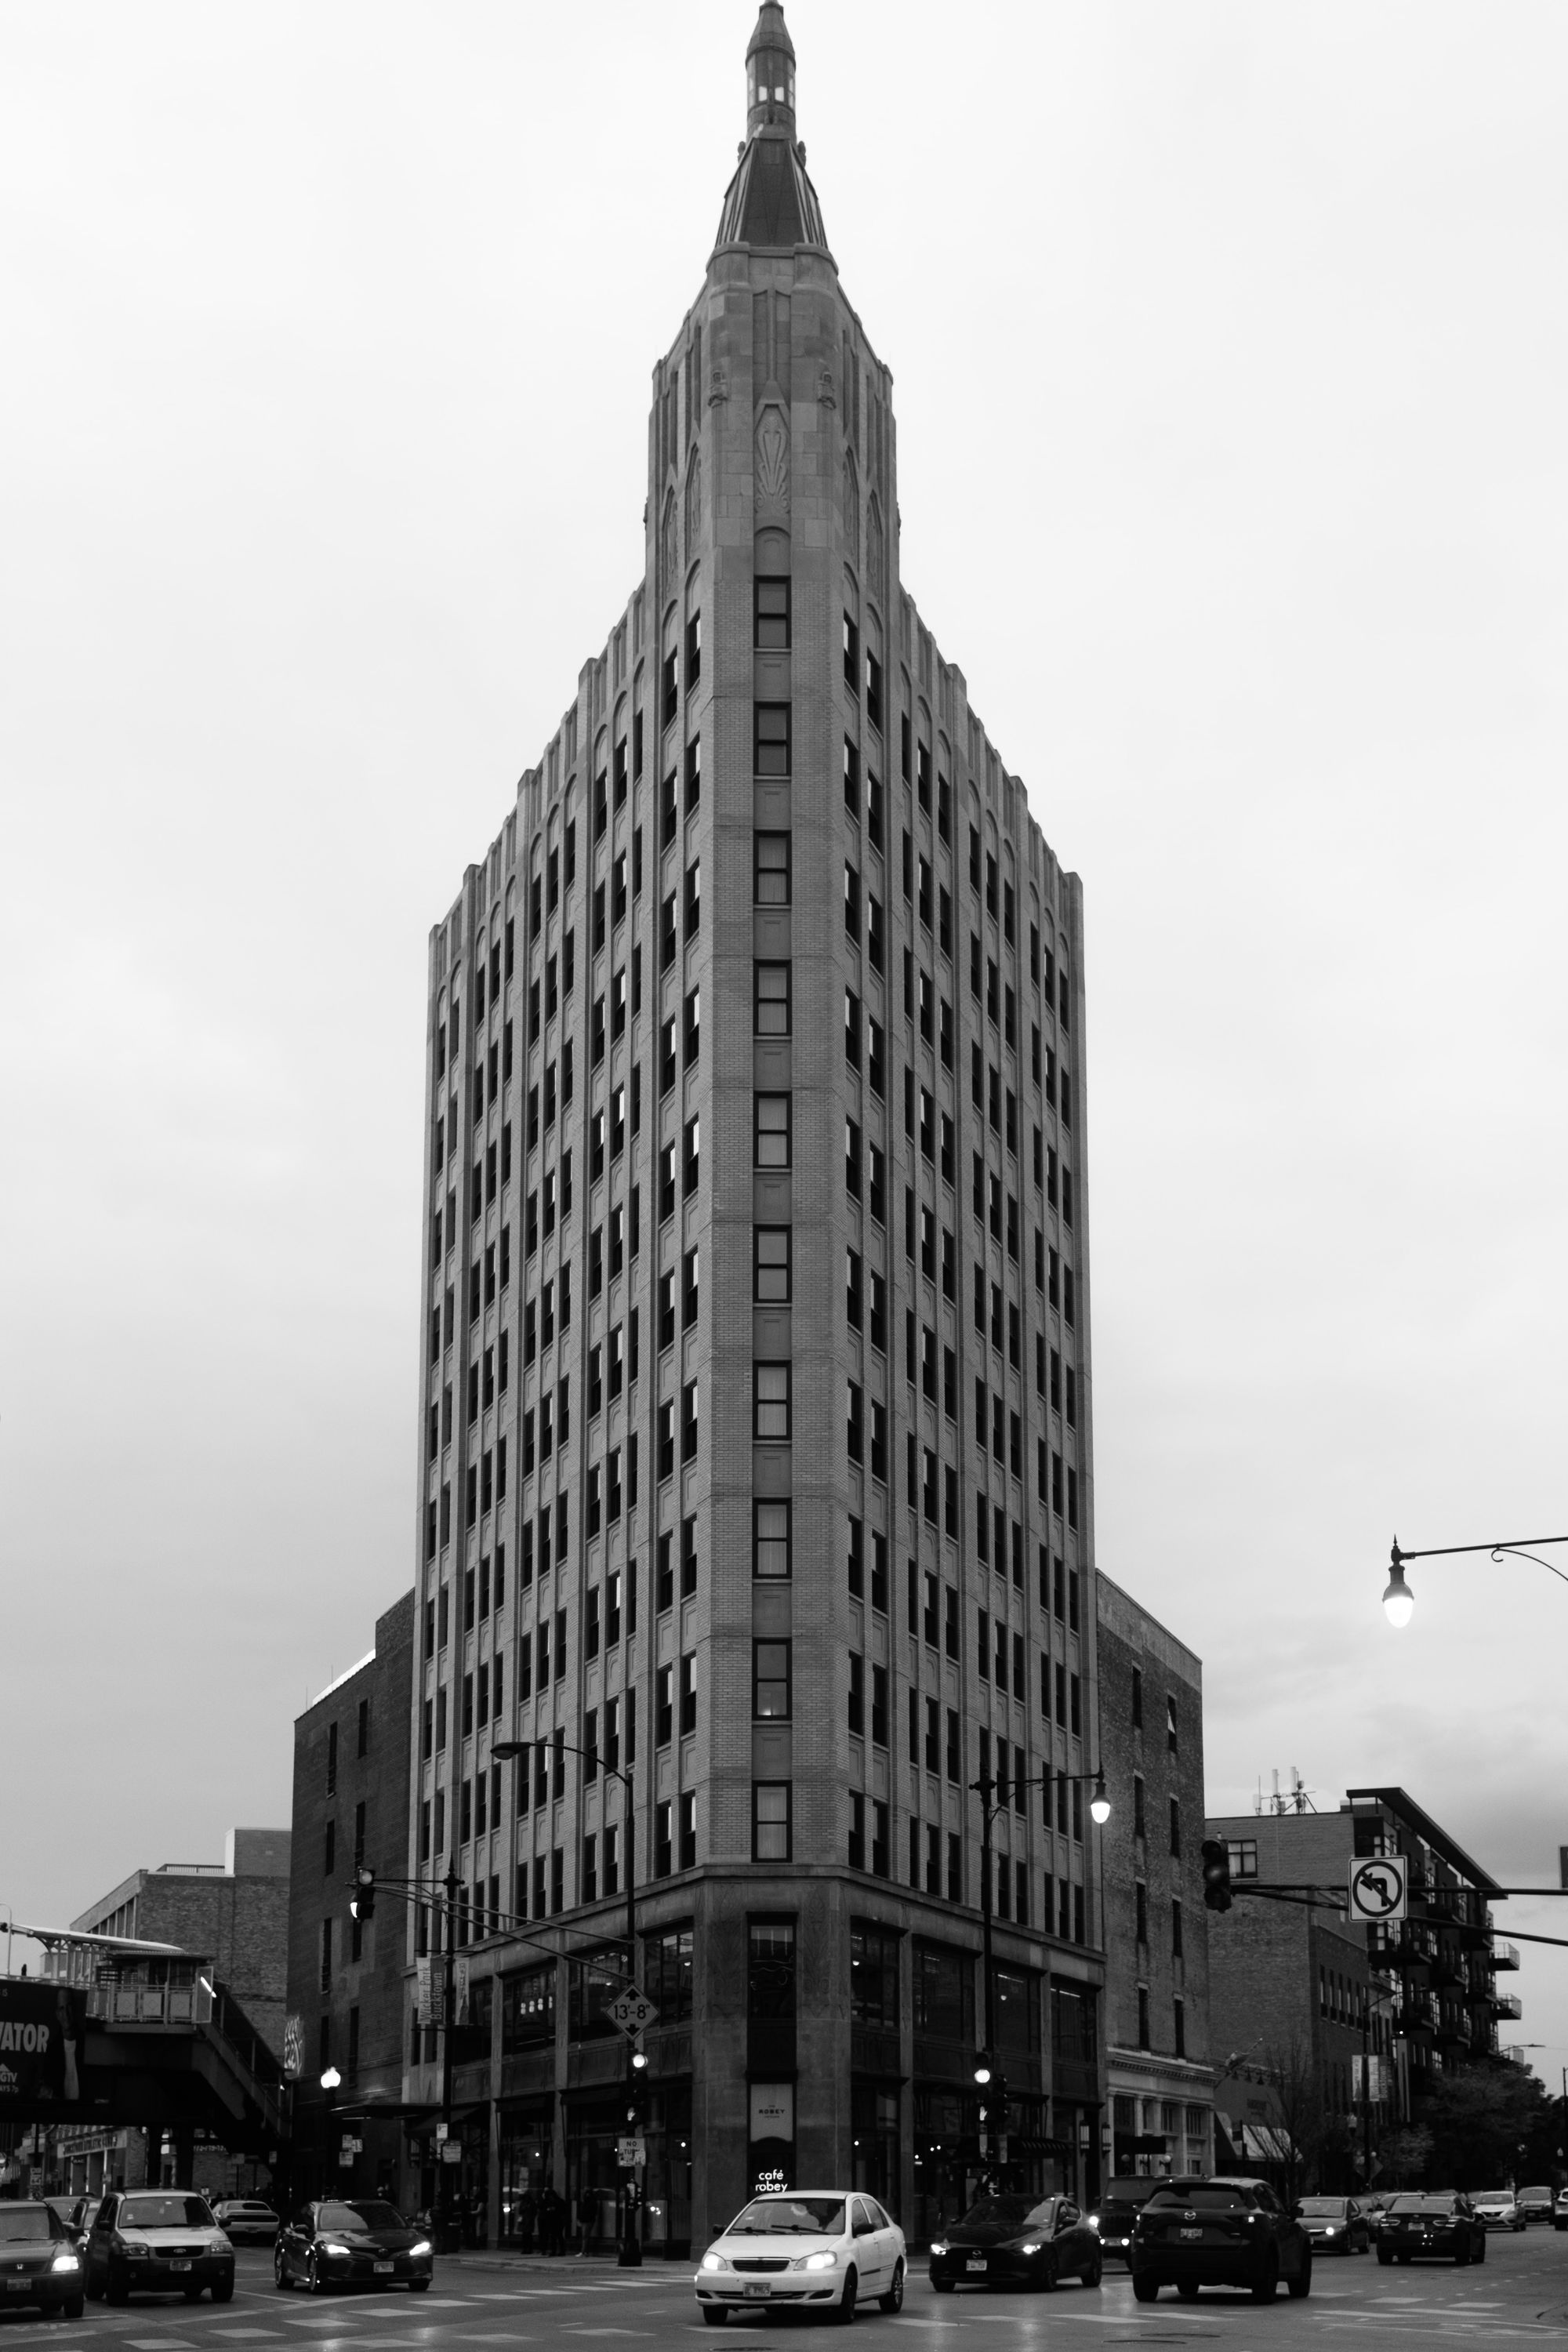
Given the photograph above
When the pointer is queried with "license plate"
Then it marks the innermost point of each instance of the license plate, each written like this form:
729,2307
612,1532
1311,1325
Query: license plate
179,2266
973,2265
18,2286
382,2266
1189,2234
756,2287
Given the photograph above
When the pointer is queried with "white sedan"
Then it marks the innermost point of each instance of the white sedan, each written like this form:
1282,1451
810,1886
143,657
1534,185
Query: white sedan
832,2247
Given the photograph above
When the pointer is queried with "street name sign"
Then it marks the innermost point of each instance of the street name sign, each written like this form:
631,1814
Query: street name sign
1378,1888
633,2012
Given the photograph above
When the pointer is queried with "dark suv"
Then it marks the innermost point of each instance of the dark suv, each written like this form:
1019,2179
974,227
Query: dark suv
1221,2233
1118,2210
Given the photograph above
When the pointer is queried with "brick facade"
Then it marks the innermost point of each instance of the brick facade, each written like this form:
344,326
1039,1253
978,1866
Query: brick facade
1160,2075
1426,1990
352,1769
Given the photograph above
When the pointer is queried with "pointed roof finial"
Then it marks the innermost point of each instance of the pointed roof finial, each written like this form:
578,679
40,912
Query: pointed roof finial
770,204
770,72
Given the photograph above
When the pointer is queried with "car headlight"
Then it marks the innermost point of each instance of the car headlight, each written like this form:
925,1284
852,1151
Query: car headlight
825,2261
1032,2248
714,2263
939,2245
1330,2230
424,2247
65,2262
329,2247
1094,2221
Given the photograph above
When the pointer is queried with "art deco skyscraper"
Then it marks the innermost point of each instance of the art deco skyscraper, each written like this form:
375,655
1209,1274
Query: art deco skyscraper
755,1370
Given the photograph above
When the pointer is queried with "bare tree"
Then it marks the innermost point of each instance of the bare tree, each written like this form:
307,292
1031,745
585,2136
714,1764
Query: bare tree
1302,2117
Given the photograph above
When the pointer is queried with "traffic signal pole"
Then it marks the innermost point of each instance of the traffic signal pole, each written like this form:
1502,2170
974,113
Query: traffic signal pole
449,2021
630,2254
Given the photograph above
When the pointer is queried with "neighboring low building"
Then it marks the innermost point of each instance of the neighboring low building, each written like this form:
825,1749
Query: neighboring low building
232,1914
352,1764
1297,1987
1159,2081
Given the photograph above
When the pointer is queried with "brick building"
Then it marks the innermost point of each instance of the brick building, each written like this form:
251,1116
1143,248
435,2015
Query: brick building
1159,2078
754,1363
1419,1998
235,1916
351,1767
233,1912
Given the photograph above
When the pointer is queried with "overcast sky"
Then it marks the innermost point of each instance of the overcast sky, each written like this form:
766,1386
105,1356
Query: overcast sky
1229,354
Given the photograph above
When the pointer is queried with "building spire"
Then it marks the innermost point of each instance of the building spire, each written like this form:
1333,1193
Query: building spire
770,73
770,205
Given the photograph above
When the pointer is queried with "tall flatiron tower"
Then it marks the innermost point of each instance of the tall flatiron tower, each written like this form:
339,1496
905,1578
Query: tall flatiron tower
754,1365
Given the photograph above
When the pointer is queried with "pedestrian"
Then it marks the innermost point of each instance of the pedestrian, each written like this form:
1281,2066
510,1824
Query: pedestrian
587,2217
552,2222
527,2208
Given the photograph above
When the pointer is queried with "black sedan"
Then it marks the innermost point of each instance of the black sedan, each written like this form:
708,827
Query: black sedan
39,2263
351,2242
1438,2223
1336,2225
1017,2242
1220,2233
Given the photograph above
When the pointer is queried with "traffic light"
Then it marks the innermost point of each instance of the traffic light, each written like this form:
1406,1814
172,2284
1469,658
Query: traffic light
1216,1875
637,2092
362,1902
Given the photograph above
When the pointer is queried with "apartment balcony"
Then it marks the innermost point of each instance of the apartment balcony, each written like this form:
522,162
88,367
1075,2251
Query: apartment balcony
1507,2004
1505,1956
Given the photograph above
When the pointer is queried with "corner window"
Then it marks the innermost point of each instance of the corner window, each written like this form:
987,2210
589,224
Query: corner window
771,615
770,1681
771,1401
771,1000
771,873
770,1842
771,738
771,1131
771,1265
770,1540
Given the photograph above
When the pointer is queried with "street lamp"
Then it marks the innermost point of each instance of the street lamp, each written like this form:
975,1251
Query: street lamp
1399,1602
629,2256
330,2078
991,1804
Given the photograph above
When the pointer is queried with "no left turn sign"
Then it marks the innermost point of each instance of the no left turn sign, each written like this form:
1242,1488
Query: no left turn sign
1378,1888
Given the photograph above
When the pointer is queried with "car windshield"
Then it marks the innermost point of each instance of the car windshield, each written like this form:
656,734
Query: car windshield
368,2216
1493,2196
1128,2192
1420,2205
1316,2207
1004,2212
165,2213
1205,2197
790,2217
20,2222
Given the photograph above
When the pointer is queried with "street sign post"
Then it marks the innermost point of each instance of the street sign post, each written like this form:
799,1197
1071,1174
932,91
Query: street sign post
1378,1888
633,2012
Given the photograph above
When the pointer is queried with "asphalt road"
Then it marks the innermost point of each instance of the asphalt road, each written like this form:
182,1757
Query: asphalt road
1519,2296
